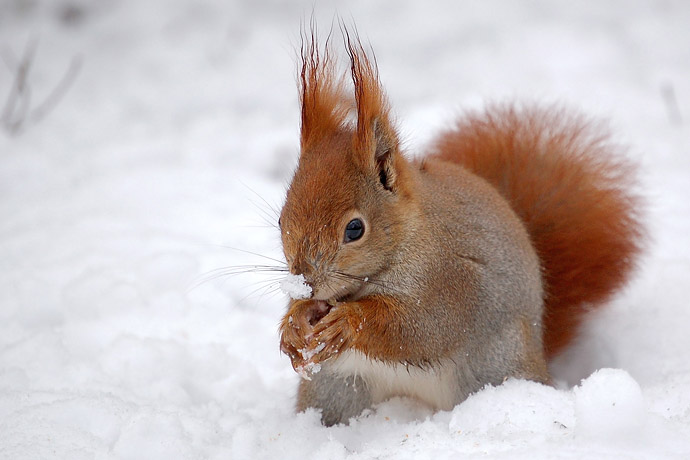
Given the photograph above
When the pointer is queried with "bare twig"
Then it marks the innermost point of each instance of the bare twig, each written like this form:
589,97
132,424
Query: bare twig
18,100
58,92
18,112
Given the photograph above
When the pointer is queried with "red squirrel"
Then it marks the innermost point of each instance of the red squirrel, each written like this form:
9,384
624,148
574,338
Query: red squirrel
433,277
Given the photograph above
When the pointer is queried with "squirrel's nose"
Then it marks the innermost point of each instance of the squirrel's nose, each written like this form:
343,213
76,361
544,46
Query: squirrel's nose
301,267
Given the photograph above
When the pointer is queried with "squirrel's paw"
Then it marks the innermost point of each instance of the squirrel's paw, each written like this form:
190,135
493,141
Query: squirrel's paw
297,333
333,334
312,332
295,330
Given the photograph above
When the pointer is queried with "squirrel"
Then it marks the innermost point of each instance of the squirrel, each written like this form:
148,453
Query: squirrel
431,278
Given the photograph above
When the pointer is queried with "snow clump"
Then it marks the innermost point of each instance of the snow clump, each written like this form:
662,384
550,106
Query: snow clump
295,286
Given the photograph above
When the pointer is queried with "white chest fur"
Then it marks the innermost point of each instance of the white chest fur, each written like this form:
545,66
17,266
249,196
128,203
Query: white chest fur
435,386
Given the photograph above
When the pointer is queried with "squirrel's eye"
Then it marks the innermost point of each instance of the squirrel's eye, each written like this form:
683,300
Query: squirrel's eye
354,230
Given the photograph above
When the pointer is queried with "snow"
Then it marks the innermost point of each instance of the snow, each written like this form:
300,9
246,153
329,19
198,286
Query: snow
166,160
608,406
307,369
295,286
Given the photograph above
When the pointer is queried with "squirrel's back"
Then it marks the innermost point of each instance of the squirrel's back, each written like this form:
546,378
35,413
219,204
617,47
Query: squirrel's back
574,194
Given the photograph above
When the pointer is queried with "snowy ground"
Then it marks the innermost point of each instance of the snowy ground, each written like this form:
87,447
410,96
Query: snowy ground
181,126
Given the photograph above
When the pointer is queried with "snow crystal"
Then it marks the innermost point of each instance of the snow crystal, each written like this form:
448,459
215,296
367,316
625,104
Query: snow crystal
295,286
308,369
309,353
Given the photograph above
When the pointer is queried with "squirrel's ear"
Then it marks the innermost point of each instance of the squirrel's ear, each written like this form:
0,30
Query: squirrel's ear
385,150
375,140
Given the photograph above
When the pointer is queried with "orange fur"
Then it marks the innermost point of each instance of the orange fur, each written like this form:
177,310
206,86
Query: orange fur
573,194
322,96
558,173
340,330
471,266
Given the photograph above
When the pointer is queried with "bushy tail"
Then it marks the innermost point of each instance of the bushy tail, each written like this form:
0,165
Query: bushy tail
573,191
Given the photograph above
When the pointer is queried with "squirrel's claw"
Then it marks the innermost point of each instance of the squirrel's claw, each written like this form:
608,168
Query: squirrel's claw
308,345
333,334
295,332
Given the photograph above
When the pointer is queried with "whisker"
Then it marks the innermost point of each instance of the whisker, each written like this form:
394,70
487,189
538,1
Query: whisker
233,271
281,262
269,292
267,225
261,284
267,289
249,268
274,209
364,279
276,273
265,216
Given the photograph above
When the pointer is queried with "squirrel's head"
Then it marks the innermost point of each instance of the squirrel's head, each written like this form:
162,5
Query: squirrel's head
341,222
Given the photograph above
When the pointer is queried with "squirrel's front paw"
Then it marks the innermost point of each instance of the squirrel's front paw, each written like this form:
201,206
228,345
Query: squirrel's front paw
294,330
331,335
297,330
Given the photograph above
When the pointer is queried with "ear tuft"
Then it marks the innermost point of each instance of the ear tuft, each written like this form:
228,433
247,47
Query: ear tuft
322,95
325,105
375,139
